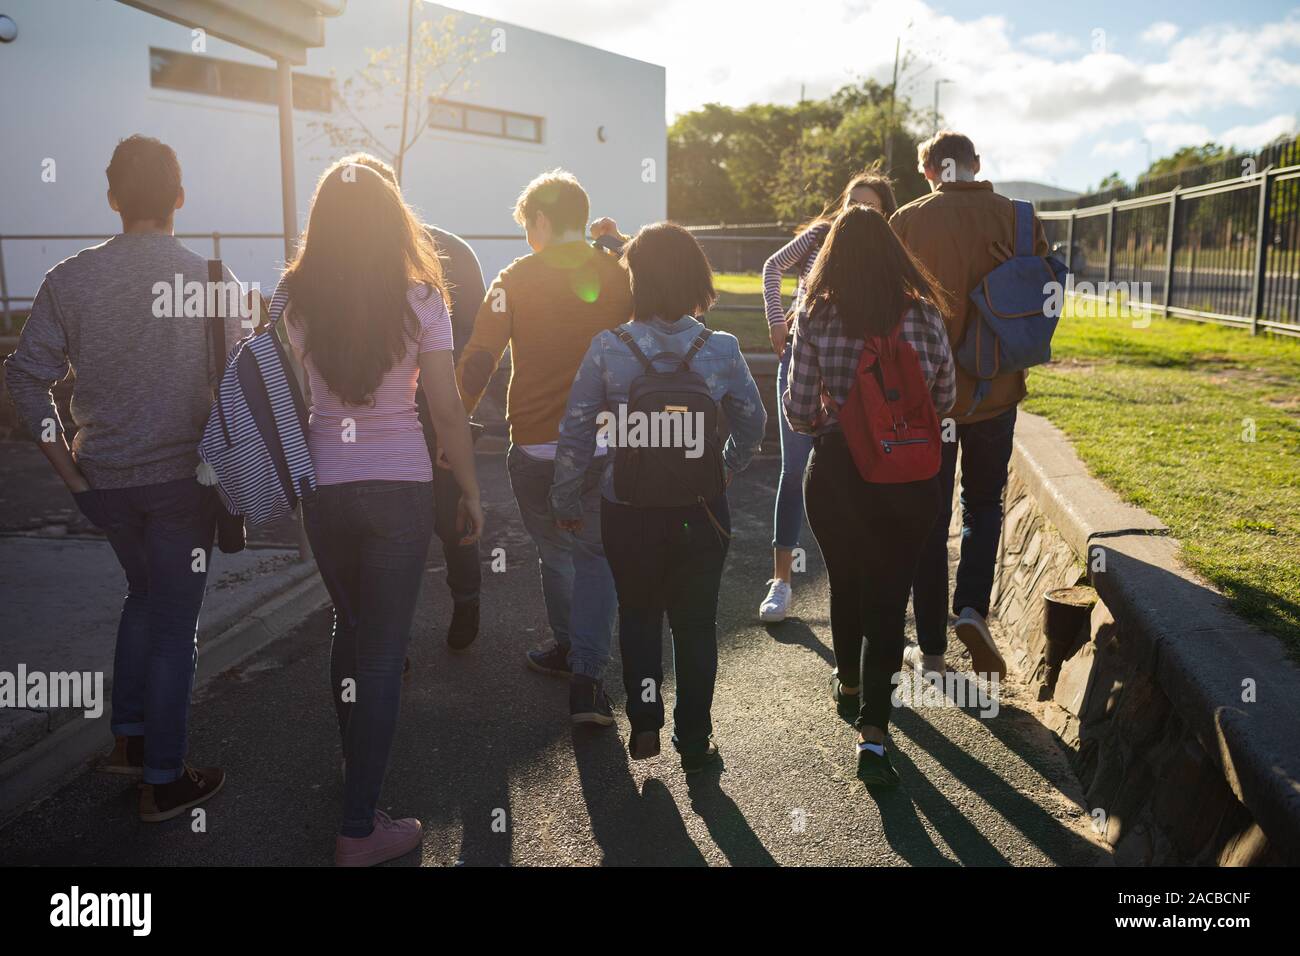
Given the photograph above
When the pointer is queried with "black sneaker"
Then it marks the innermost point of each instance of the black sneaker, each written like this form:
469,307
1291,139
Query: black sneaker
162,801
846,705
554,661
464,625
702,760
588,703
643,744
875,770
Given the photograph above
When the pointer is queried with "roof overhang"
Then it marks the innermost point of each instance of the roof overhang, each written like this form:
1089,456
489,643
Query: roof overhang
280,29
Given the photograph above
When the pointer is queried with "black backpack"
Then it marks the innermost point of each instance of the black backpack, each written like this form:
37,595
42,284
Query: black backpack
650,475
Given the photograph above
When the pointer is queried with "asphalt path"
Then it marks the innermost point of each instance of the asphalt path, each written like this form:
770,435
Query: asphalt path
487,758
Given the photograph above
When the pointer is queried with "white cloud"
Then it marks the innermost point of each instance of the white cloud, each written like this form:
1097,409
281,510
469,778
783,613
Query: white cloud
1029,102
1258,134
1114,149
1169,136
1161,33
1051,44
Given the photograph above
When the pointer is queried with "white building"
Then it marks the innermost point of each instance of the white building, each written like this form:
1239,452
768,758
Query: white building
1032,192
82,74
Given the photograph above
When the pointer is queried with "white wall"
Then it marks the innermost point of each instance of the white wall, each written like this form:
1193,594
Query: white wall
76,81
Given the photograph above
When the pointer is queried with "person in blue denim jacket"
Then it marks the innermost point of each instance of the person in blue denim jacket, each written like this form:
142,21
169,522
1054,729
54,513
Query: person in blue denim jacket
664,560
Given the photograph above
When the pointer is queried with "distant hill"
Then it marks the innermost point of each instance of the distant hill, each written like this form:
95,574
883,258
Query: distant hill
1032,192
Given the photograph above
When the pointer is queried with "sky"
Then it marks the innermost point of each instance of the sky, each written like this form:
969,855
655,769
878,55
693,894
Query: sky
1060,93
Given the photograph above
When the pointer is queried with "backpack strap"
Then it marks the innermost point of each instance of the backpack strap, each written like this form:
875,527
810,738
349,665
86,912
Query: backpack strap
216,323
698,344
625,337
1024,227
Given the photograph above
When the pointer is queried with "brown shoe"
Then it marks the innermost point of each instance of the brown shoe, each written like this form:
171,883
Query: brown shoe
986,660
127,757
643,744
163,801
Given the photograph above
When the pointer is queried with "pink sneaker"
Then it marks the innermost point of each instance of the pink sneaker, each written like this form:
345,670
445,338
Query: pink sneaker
389,840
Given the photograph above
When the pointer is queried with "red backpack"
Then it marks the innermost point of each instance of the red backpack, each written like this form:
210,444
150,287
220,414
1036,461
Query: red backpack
888,419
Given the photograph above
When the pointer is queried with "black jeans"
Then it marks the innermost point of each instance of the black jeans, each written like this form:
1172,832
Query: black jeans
464,573
871,537
985,452
668,560
155,531
371,539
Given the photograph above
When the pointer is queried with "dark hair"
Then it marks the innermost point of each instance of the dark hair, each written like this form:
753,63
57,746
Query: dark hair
144,177
558,194
945,146
670,273
869,178
362,251
868,275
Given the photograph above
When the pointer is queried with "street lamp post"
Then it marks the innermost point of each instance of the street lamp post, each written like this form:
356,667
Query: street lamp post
937,84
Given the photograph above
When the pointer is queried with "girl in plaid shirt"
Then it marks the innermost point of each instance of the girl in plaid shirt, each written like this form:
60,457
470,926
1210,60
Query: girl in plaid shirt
863,284
867,188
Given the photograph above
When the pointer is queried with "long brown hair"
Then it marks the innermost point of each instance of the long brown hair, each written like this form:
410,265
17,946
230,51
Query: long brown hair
870,178
361,252
868,275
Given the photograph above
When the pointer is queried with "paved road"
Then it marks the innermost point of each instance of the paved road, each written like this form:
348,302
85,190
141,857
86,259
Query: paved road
484,742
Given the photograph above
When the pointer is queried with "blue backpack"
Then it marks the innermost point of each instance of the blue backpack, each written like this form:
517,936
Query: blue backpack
255,439
1018,310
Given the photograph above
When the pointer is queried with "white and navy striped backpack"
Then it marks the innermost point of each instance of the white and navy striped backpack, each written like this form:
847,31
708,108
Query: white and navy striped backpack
255,440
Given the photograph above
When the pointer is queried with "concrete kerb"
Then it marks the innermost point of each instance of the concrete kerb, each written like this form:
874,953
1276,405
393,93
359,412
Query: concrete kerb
1204,654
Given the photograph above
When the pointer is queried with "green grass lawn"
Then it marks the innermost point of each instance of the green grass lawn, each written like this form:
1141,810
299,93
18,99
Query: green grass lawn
750,326
1165,416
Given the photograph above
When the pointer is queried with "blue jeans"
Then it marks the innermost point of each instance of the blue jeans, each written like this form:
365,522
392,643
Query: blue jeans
154,531
370,539
572,565
985,453
795,448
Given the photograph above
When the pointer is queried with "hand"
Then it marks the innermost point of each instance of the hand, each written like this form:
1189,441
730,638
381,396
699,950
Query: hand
469,519
571,525
78,484
443,462
604,227
778,333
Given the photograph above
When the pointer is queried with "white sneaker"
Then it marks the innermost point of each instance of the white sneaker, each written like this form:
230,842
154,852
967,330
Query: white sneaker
973,631
777,602
923,664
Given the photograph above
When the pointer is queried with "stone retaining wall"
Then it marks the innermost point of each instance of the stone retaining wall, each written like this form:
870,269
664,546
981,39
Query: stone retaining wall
1182,721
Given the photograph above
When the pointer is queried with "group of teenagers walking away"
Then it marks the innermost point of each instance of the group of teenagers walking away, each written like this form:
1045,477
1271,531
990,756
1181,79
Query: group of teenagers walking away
390,339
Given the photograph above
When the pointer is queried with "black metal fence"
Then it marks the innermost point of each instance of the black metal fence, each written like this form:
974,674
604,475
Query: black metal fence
1226,251
742,248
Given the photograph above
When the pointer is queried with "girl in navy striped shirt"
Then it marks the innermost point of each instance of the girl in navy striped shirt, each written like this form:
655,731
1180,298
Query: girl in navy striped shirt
867,188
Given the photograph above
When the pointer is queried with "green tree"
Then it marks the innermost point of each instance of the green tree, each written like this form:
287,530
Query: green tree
767,162
1187,158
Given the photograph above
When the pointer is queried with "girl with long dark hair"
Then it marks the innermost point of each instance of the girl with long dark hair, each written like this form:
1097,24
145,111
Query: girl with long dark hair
366,319
867,188
864,284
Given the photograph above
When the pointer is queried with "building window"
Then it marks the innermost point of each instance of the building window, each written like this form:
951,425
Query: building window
484,121
172,70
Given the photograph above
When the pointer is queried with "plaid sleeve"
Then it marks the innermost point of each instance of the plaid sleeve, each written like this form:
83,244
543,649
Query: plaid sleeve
925,332
802,398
